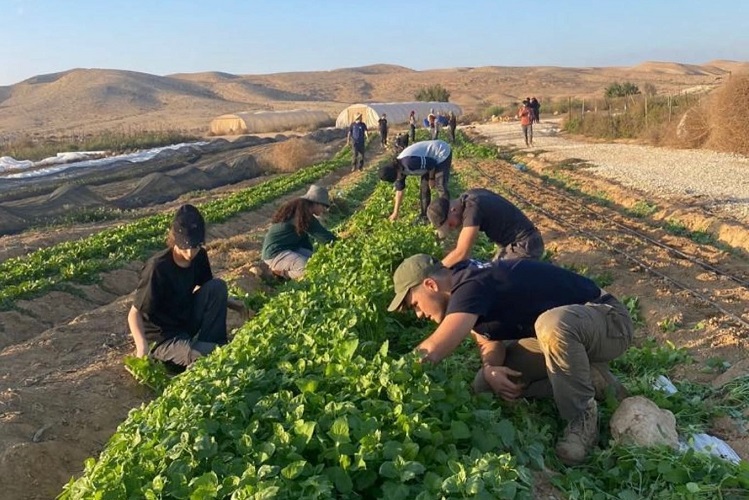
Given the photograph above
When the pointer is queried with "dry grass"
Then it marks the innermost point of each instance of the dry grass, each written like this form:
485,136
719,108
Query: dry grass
728,117
290,155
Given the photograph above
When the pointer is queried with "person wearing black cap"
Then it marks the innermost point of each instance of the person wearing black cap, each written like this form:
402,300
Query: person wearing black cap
509,306
431,161
287,246
482,210
178,299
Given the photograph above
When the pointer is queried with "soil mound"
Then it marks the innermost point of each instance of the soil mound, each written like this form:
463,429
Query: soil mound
242,168
194,178
153,188
11,223
70,196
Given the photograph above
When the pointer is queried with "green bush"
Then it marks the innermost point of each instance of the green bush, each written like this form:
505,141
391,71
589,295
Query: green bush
435,92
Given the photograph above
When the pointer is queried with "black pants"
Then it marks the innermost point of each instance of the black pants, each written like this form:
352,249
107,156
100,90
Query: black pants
207,328
384,137
452,133
357,154
413,133
440,176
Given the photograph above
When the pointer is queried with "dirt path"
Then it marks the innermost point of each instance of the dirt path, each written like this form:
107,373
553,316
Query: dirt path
63,388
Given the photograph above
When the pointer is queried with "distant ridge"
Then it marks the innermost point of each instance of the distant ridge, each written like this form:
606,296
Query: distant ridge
89,100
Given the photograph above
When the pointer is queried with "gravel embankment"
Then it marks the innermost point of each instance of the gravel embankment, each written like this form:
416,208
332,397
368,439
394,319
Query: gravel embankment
719,180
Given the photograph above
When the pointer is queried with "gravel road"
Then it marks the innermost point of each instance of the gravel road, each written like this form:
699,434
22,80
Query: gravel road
719,180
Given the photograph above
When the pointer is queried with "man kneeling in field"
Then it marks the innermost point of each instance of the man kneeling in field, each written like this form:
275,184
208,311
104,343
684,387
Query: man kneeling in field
178,299
529,319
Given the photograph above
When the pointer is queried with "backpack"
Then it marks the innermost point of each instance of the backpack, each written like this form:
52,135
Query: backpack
357,132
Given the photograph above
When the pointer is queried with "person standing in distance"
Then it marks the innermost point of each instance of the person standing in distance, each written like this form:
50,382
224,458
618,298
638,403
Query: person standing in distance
357,138
383,126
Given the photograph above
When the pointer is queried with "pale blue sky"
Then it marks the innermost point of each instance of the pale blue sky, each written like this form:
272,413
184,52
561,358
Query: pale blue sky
268,36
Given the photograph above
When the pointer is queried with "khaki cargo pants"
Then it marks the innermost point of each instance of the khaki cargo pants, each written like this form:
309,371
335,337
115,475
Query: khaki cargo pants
568,340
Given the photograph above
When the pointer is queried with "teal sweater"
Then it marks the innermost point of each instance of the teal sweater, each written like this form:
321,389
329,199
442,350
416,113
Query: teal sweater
282,236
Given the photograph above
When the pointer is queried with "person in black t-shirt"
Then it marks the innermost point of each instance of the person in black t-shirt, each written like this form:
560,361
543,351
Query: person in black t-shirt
578,328
482,210
382,124
178,299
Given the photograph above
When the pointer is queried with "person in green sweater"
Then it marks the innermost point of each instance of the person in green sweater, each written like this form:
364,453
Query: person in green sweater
287,245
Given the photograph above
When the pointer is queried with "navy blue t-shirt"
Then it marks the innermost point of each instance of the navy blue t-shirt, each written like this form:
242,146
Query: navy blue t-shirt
357,130
510,295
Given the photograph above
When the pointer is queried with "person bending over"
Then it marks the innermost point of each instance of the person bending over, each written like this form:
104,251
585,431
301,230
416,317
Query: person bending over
480,210
287,246
577,327
431,161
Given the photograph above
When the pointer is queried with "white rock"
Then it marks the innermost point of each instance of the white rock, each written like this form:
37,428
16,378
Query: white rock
640,422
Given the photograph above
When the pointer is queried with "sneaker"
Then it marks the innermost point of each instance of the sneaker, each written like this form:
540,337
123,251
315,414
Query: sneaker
580,436
606,383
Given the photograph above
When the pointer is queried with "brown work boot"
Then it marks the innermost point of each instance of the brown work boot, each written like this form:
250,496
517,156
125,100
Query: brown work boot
606,383
580,436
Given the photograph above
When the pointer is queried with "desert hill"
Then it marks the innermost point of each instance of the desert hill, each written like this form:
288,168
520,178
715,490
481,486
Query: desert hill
87,100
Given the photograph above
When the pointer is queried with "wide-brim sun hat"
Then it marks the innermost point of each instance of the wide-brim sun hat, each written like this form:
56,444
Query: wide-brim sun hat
317,194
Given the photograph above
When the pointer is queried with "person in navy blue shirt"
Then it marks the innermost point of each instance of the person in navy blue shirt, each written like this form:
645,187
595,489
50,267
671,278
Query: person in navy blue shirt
357,138
431,160
577,328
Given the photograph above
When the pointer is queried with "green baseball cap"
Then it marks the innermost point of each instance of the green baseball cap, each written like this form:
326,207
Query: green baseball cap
410,273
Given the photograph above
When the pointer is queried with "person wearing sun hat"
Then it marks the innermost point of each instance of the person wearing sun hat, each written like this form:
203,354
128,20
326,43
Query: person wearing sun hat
357,138
482,210
287,246
178,300
527,317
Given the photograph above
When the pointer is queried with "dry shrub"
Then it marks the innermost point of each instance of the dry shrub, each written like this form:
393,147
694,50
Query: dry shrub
291,155
729,116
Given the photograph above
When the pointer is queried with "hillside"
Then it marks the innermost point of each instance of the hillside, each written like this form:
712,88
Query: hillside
86,100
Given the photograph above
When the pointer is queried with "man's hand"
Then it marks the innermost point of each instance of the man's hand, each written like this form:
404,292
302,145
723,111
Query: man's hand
498,378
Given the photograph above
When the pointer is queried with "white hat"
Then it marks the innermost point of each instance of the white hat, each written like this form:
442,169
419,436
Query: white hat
317,194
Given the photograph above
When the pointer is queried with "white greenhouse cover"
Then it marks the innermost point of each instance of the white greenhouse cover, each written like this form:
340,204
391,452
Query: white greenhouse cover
25,169
259,122
397,112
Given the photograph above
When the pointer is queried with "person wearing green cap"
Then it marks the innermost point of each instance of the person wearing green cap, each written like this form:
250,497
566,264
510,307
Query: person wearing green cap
576,329
480,210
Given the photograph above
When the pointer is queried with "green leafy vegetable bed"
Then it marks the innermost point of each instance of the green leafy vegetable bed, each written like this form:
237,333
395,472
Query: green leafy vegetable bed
82,260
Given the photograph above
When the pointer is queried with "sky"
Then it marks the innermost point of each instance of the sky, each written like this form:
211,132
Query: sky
269,36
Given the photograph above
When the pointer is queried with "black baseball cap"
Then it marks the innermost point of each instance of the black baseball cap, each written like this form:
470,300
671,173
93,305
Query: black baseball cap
188,227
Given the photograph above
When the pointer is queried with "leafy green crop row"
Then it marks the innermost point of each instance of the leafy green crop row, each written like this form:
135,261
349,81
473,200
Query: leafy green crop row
310,401
317,397
83,259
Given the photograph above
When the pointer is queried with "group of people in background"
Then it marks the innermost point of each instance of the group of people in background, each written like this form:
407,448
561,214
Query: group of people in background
542,331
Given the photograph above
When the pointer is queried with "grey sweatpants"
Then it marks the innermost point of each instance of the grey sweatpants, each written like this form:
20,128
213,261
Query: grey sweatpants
291,263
